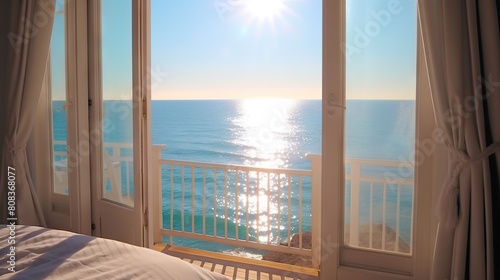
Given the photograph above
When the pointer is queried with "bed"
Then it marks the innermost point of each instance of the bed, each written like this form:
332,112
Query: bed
42,253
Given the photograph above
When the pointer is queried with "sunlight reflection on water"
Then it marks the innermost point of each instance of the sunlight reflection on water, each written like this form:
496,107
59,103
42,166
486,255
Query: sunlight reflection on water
263,127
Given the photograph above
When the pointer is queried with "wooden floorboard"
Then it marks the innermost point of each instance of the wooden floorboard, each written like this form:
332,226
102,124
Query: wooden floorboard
237,267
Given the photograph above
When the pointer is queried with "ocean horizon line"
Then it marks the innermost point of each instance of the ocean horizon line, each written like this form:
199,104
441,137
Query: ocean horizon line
264,99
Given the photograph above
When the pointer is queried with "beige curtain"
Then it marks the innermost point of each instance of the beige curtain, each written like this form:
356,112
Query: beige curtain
462,51
25,49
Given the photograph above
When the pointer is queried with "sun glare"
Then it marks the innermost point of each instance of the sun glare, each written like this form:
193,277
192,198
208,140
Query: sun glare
264,9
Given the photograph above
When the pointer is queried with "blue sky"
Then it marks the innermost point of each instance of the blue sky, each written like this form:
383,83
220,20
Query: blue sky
57,55
116,57
383,67
214,49
219,49
238,55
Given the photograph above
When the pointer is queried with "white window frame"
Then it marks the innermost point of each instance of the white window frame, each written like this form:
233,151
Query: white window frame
70,212
77,88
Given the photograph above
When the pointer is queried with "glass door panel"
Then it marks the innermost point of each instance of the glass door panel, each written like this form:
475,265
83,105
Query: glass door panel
57,73
380,124
117,101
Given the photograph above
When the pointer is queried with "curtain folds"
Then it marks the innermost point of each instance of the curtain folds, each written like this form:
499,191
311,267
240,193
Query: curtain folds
27,48
462,51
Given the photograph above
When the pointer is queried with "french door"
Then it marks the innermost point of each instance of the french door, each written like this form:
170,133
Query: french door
108,121
96,100
374,201
117,116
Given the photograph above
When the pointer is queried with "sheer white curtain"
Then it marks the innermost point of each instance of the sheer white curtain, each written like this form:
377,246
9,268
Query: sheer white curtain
25,48
462,50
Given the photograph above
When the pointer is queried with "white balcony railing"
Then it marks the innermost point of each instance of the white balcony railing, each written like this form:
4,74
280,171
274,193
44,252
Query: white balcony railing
391,181
244,206
266,207
263,208
118,179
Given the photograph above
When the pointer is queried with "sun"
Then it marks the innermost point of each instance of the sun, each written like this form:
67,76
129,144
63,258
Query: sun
264,9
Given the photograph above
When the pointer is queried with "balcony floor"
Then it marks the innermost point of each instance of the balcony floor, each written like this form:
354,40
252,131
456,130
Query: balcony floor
238,267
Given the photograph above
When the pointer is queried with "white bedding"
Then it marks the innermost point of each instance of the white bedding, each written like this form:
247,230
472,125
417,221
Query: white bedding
43,253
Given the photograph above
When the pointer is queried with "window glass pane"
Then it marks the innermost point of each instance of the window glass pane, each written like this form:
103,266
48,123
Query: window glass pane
58,97
380,123
117,113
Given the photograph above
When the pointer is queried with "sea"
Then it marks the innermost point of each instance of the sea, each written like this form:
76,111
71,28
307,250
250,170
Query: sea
275,133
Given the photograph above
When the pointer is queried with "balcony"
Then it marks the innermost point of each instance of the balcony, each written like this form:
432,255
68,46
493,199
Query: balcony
274,205
262,209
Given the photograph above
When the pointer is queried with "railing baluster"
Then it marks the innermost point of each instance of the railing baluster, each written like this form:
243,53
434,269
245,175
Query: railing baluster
316,190
116,157
127,179
384,205
258,210
236,202
268,208
279,210
289,210
354,213
129,185
192,199
371,217
225,203
182,198
247,206
398,203
215,202
411,223
204,210
157,194
300,212
171,201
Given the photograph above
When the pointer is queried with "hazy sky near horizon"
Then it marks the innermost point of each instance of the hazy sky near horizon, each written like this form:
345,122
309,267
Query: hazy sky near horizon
232,49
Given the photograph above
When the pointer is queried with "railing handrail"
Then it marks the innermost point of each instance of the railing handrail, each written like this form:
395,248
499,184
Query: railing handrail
106,144
389,180
373,162
249,168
